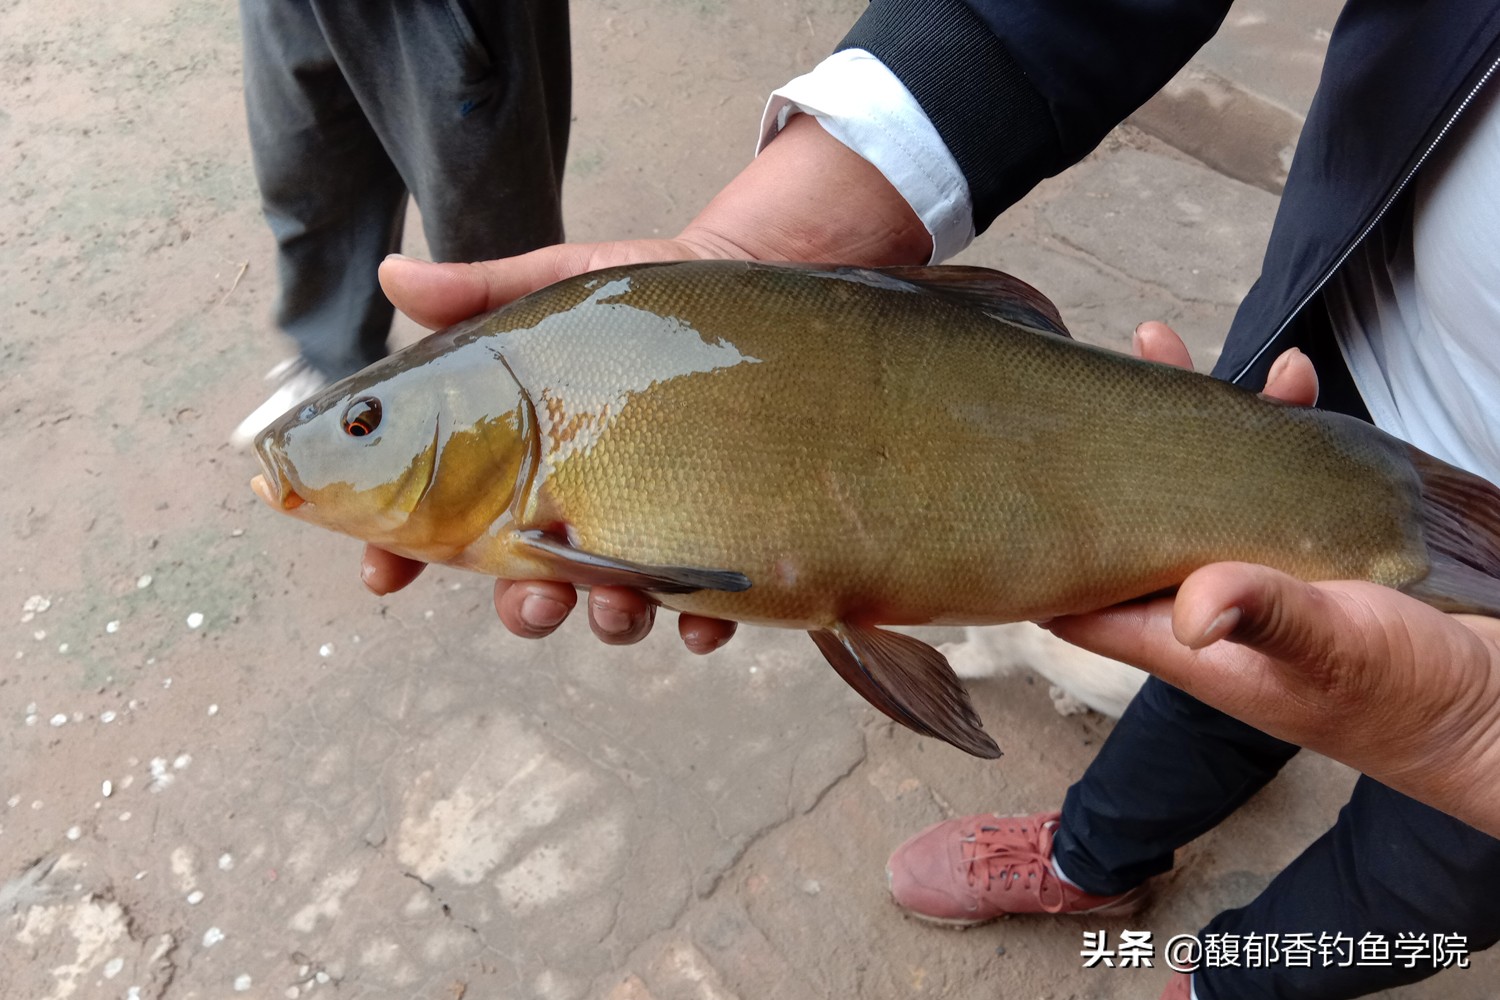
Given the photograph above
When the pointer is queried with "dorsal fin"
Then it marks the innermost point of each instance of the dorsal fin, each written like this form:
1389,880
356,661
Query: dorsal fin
994,293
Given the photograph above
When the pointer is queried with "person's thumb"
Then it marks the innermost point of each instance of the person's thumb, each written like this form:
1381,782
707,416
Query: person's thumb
439,295
1276,615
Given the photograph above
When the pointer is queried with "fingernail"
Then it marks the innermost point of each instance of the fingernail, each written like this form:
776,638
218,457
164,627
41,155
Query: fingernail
1135,338
611,621
1227,621
542,612
398,256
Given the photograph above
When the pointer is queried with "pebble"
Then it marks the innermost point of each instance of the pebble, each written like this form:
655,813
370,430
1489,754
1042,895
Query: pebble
107,789
326,649
62,647
195,897
195,619
182,761
39,634
73,833
323,978
243,982
212,936
31,719
60,719
213,710
226,862
13,801
107,717
143,581
237,532
112,627
113,967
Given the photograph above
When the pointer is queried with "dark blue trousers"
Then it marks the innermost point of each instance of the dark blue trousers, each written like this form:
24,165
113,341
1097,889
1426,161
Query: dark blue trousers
1174,767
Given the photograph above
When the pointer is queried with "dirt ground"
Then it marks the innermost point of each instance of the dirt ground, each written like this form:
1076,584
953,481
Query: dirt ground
226,770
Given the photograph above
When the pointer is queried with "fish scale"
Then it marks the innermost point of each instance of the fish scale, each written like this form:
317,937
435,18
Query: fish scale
839,449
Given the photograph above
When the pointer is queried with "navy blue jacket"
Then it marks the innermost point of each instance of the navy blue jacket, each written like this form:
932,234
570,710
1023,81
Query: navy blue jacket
1021,89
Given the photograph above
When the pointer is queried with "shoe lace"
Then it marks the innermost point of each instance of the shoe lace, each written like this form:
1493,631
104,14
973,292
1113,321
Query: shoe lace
1017,856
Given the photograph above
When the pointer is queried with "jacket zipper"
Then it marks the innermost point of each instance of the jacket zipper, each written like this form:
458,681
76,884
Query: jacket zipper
1370,226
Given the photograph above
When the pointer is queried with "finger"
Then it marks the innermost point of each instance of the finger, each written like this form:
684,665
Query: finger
384,572
619,615
533,608
1260,608
439,295
1292,379
1157,342
704,635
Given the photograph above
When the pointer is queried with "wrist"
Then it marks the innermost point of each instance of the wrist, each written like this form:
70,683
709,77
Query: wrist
808,197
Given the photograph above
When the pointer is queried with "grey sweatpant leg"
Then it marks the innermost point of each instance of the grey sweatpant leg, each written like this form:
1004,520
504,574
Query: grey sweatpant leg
465,105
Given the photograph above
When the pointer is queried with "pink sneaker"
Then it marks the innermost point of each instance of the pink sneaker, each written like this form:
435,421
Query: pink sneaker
973,869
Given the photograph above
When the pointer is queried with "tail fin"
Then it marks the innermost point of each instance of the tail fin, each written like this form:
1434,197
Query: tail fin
1461,522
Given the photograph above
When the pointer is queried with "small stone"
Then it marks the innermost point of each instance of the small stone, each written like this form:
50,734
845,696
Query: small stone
325,650
213,710
812,887
292,992
226,862
212,936
60,719
195,897
36,604
73,833
107,717
143,581
182,761
112,627
139,875
166,682
125,817
13,801
237,532
62,647
39,634
428,614
113,967
195,619
107,789
243,982
323,978
31,719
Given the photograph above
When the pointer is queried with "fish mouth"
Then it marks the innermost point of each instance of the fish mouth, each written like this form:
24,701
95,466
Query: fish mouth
271,486
278,497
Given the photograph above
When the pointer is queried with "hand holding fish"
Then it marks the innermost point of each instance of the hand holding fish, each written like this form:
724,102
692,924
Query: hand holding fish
1365,674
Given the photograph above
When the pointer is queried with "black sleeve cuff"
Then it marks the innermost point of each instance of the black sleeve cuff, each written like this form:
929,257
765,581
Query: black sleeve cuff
994,122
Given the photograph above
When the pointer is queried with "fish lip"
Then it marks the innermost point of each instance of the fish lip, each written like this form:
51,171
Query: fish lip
274,487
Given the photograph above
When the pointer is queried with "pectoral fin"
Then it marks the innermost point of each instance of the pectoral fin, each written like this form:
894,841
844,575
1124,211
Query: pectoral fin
591,569
909,681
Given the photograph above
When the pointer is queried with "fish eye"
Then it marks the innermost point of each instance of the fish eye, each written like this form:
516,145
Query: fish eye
362,416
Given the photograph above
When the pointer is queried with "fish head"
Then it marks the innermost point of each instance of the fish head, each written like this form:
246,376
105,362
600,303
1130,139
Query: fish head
419,453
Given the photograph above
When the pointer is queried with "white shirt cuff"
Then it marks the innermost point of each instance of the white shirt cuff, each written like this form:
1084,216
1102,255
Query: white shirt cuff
863,105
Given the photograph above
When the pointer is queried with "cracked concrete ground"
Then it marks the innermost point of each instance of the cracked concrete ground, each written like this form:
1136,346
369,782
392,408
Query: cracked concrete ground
229,771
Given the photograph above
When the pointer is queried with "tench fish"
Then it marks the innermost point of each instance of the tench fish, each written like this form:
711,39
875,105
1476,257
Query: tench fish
839,449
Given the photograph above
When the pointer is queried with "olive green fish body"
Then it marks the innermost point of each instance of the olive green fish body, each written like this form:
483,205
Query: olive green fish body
846,448
857,449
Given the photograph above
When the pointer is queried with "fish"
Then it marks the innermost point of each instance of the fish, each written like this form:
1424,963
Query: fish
846,449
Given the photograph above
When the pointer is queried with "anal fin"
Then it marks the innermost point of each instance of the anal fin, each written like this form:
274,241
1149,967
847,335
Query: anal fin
591,569
909,681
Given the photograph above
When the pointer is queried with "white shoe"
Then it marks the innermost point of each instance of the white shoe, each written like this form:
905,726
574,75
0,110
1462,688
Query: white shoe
295,381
